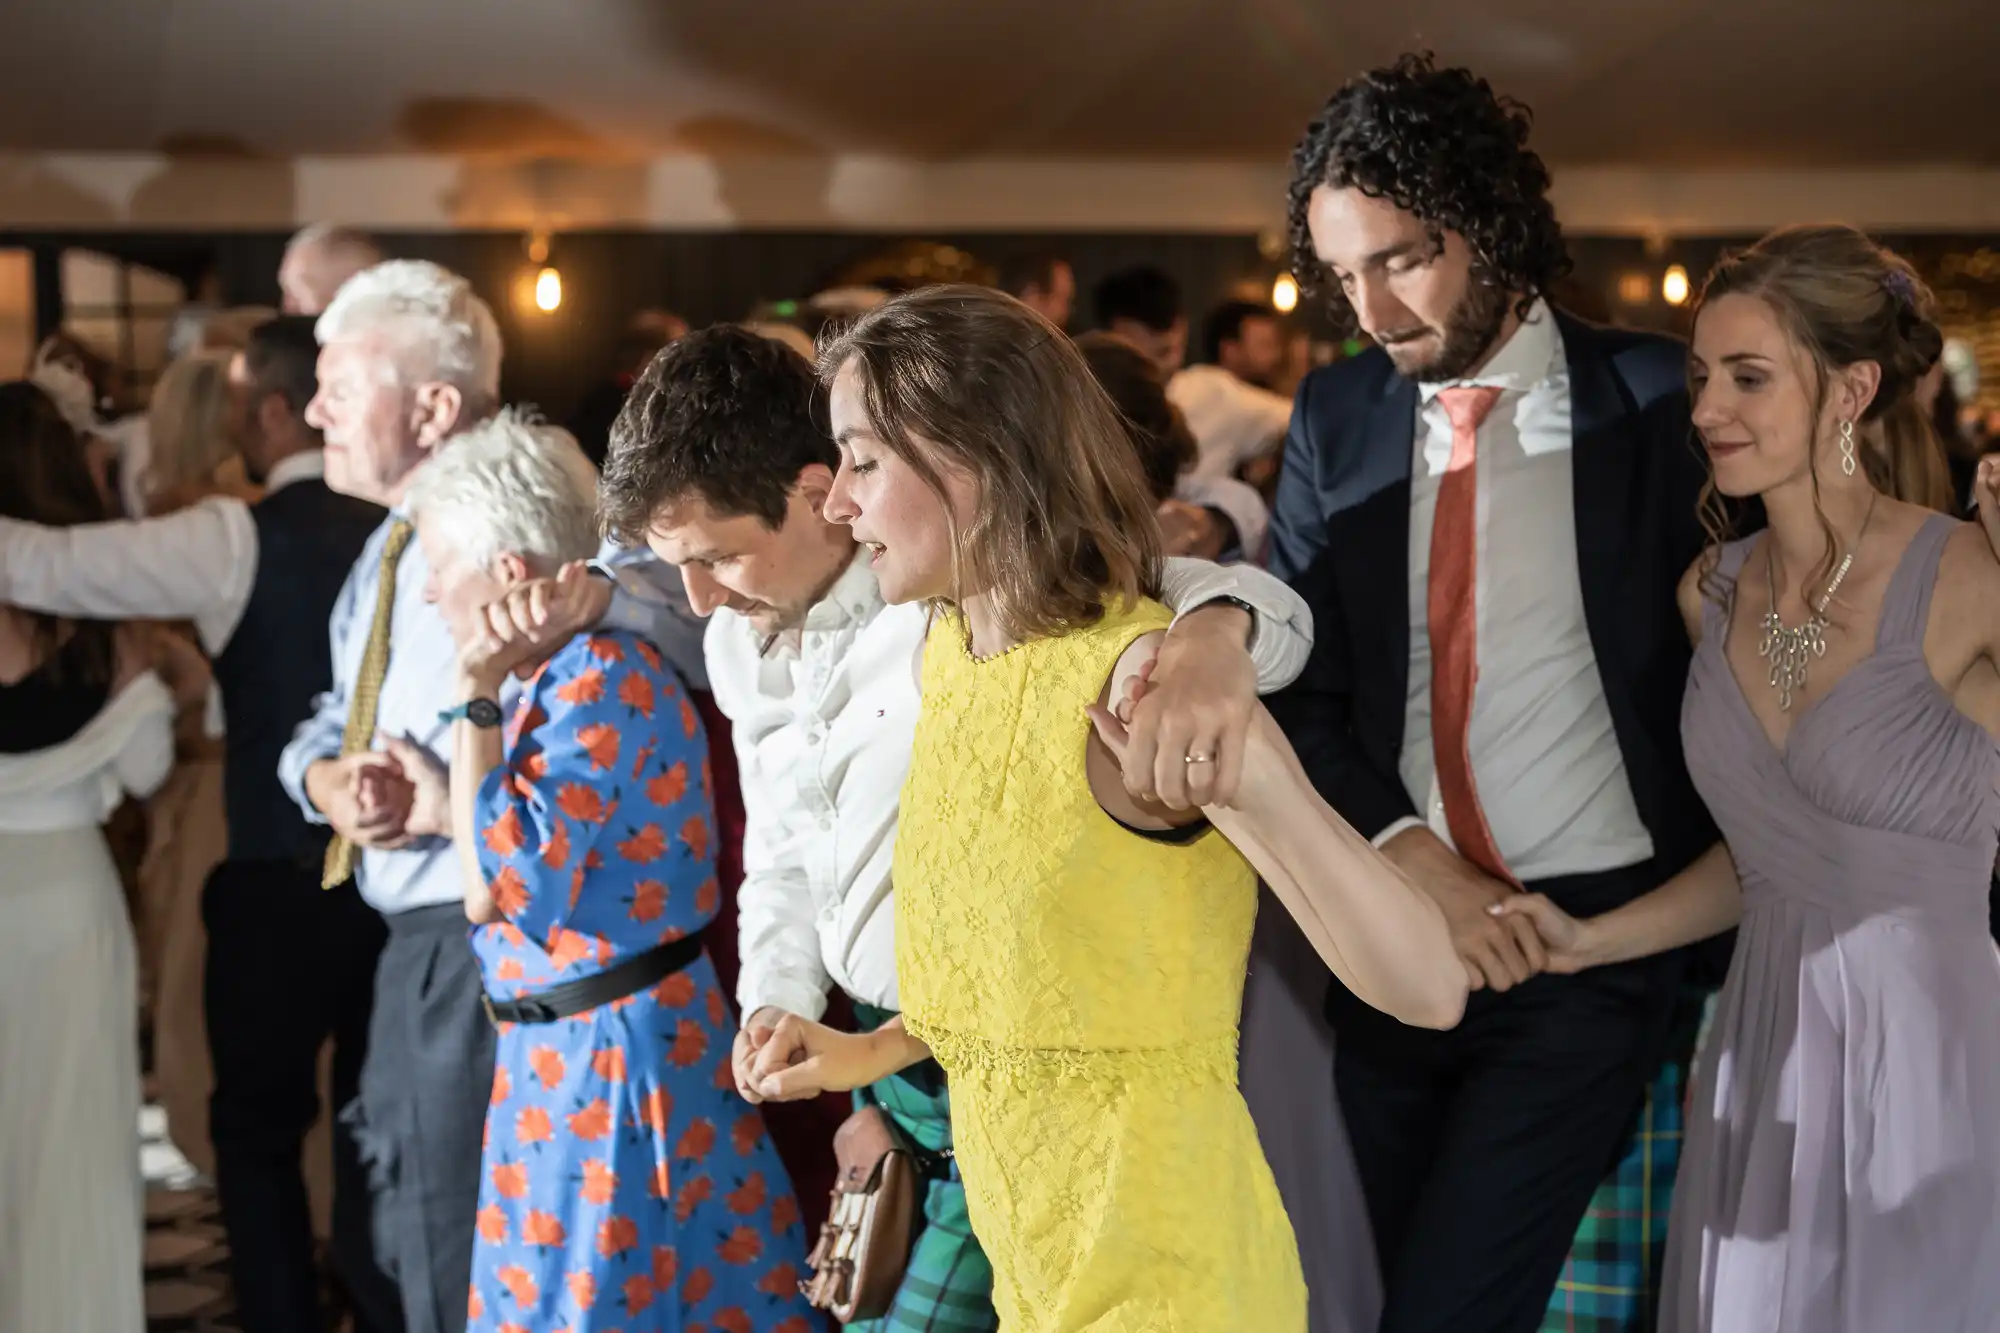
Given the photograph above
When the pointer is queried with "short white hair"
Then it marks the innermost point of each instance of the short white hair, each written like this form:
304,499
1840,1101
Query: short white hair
510,483
439,315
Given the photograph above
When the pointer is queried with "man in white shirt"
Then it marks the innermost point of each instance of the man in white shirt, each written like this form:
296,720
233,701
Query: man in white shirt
1489,514
1237,421
722,463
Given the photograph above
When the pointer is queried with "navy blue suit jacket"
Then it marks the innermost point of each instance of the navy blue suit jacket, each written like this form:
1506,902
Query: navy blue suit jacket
1340,535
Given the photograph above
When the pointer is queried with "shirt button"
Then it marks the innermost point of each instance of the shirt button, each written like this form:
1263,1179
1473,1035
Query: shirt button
825,824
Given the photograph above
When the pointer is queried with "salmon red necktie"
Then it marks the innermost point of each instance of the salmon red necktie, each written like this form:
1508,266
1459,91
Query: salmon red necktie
1454,628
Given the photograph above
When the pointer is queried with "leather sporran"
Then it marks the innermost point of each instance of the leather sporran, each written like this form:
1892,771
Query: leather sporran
864,1248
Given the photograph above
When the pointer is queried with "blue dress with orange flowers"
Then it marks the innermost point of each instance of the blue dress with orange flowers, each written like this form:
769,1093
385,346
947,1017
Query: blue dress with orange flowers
625,1186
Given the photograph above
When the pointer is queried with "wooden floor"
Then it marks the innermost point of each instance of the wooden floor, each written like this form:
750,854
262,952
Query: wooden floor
187,1282
187,1257
187,1286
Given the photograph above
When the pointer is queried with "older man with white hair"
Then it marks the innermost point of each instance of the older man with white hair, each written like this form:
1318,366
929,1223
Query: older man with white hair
318,261
410,357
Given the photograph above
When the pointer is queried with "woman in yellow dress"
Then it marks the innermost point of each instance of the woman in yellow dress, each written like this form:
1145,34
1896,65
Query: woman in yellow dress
1071,953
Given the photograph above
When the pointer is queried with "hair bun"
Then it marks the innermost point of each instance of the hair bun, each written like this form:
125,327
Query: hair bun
1923,341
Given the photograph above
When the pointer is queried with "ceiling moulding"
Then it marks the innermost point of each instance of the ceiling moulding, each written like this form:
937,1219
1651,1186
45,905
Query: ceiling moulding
697,192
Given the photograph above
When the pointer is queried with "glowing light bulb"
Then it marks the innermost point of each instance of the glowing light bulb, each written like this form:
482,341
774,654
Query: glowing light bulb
1285,294
1674,286
548,289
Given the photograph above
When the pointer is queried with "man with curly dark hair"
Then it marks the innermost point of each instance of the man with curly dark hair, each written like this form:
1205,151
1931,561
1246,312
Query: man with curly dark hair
1497,495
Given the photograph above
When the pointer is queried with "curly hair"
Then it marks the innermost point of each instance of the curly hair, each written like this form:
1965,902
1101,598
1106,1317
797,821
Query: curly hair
1442,145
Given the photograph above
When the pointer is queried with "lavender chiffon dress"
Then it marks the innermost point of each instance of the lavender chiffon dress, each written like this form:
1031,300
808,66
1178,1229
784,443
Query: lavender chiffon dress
1842,1165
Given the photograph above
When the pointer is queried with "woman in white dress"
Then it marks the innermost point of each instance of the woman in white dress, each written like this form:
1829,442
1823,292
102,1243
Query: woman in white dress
83,722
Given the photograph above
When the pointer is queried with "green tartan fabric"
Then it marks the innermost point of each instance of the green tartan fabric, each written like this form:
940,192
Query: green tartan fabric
948,1287
1610,1282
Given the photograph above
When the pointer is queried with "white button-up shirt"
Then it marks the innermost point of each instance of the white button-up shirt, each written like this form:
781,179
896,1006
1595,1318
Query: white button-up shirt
1545,757
823,723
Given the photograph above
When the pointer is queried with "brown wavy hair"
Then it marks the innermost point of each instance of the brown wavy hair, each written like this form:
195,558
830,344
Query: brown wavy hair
1843,299
970,379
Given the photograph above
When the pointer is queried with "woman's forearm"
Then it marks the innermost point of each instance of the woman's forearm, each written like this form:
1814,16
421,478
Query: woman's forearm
1380,935
1703,900
475,752
894,1048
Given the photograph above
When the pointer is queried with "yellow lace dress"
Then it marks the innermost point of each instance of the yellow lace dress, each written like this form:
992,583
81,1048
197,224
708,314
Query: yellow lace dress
1081,985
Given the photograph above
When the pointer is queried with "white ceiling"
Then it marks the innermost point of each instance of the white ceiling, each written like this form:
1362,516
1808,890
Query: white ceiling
1668,83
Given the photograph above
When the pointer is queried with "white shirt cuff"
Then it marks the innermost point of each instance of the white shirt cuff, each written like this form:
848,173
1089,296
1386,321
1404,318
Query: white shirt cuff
1406,822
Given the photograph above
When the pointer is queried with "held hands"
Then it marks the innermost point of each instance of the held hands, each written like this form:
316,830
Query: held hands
1570,943
365,796
1500,949
430,788
795,1059
530,620
1196,698
751,1039
1263,751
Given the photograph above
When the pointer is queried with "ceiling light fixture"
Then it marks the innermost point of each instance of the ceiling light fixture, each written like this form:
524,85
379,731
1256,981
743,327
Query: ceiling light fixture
1674,286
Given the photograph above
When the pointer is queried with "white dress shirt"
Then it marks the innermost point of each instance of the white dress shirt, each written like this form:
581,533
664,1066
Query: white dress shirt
823,723
198,563
1233,422
1545,758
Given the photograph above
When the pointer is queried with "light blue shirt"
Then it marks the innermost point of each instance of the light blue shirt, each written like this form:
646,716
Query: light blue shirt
649,601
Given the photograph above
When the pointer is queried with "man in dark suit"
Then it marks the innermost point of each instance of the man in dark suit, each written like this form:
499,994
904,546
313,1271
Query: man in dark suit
1488,514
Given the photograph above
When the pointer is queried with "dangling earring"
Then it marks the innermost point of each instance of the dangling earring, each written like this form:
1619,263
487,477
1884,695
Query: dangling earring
1847,448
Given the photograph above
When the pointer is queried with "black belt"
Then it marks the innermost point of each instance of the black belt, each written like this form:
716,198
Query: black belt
629,977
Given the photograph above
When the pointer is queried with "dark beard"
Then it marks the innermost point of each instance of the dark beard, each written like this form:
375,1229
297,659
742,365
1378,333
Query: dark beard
1468,334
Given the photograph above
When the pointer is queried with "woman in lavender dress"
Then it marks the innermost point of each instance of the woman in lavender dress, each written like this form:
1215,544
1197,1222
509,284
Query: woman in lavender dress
1842,1169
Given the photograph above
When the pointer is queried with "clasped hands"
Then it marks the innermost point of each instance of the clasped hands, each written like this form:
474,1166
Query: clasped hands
1503,936
781,1057
1182,725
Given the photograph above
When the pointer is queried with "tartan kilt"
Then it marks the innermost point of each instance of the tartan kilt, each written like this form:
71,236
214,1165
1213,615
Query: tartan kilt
1611,1281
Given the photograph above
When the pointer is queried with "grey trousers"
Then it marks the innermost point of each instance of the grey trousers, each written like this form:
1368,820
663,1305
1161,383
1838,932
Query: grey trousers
422,1112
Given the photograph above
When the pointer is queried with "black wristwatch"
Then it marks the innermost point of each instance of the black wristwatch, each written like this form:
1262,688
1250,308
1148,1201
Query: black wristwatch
479,712
1241,605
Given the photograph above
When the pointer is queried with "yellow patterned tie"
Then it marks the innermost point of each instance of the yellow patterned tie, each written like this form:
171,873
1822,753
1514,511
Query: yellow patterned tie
359,733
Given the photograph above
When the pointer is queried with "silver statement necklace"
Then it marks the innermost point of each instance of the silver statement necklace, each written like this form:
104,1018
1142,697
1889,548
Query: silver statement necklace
1791,651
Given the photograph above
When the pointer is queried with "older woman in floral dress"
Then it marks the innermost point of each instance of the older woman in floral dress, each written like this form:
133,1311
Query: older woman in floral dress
624,1186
